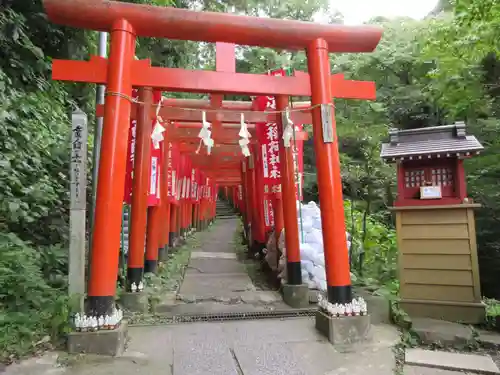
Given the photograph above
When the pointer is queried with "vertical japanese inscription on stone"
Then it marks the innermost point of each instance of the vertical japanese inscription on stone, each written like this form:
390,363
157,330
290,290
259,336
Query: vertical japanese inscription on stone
78,184
78,169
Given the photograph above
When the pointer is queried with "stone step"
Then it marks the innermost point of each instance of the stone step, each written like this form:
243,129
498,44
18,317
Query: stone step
474,363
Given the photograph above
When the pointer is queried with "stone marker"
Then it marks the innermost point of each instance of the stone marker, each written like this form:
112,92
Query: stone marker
78,210
451,361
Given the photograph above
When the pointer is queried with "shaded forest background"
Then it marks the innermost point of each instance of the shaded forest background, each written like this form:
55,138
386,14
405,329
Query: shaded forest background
430,72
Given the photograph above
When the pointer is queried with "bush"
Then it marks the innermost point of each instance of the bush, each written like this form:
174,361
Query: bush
374,246
30,308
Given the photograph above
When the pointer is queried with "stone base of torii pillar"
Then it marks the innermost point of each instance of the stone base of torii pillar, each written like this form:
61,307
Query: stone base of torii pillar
345,330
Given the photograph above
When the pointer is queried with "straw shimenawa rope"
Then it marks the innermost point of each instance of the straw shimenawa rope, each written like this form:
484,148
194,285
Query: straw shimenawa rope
136,101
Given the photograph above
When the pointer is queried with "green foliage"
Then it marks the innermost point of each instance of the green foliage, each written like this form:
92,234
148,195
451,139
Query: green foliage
30,308
492,307
374,248
34,160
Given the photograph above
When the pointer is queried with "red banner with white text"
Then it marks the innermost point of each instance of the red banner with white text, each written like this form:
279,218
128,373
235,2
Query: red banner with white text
155,163
172,169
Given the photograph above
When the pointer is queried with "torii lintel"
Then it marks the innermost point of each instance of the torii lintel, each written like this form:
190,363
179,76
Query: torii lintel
183,24
202,81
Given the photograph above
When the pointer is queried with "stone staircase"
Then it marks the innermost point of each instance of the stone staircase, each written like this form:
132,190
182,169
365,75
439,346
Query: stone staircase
224,210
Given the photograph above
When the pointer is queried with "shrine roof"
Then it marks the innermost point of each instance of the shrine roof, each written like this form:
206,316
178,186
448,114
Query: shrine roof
429,141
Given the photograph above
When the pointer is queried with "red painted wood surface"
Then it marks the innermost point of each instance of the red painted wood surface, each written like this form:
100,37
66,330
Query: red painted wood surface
183,24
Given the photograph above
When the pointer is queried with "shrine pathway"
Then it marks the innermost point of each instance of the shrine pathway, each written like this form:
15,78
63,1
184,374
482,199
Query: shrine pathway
217,281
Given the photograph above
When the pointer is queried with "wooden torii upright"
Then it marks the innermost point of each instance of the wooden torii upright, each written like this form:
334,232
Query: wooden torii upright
121,71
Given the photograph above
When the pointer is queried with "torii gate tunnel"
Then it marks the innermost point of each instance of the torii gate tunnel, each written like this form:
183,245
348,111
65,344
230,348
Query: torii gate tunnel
121,72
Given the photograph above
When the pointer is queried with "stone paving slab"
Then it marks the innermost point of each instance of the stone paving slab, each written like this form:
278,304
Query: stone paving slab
488,338
212,254
267,359
204,358
364,361
214,246
120,366
44,365
432,331
272,331
417,370
217,266
451,361
221,286
316,357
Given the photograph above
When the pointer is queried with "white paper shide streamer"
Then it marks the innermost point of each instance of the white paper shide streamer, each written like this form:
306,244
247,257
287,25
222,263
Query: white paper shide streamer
288,130
157,134
245,135
205,134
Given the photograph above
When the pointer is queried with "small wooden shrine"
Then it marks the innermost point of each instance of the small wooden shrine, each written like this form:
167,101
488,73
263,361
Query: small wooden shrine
438,267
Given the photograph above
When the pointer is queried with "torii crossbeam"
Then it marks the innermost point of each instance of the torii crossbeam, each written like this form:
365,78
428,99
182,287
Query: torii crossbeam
121,71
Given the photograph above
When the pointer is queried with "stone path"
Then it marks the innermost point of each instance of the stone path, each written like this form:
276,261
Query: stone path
216,281
261,347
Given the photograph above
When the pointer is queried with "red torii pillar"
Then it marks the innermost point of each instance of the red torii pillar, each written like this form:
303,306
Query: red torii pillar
244,206
248,198
172,236
279,221
288,191
112,165
337,266
154,228
166,205
140,190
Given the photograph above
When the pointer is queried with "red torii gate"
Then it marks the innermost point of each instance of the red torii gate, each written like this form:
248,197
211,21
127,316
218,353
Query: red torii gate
121,72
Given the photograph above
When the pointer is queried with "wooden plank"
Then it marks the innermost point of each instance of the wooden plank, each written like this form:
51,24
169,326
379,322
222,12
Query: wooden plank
437,292
435,262
440,277
436,216
436,246
435,231
400,242
473,250
468,313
